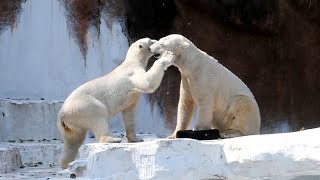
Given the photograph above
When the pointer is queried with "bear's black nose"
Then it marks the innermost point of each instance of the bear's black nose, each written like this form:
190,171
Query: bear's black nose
157,55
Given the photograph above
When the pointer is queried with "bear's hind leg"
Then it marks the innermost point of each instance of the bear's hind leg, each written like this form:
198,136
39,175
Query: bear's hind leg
100,132
231,127
242,118
72,140
230,134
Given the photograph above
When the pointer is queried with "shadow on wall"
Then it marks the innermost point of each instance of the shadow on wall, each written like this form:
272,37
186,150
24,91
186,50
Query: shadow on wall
83,15
273,46
9,13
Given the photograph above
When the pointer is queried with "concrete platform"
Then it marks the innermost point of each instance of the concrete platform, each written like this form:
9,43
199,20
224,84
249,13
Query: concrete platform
275,156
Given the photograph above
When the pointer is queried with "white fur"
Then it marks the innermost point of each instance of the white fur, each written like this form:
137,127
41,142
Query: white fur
92,104
223,100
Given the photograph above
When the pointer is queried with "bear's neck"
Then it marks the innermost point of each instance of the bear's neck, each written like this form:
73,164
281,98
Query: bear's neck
191,60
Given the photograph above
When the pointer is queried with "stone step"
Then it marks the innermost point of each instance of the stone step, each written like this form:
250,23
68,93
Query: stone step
10,159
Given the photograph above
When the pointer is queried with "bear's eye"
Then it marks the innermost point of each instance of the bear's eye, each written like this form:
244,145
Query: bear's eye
140,46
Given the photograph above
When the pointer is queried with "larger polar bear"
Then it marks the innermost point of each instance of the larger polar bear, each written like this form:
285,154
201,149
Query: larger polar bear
224,102
95,102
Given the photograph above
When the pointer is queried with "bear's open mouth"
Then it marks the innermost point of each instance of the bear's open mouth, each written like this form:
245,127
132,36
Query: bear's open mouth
157,55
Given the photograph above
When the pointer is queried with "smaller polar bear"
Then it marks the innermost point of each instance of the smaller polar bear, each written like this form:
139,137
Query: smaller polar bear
224,102
95,102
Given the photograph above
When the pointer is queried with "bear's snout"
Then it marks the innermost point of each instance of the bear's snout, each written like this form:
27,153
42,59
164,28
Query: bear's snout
152,47
155,49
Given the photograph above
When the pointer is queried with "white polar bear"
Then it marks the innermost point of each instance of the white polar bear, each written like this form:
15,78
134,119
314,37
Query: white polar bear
95,102
224,102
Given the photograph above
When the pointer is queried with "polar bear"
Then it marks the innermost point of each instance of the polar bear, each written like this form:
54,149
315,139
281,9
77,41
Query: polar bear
224,102
95,102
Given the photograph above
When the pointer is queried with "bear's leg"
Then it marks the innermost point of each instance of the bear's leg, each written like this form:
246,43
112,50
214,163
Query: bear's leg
72,140
130,124
100,129
185,107
204,118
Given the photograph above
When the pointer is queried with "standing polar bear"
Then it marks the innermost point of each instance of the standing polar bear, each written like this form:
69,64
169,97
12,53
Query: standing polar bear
224,102
95,102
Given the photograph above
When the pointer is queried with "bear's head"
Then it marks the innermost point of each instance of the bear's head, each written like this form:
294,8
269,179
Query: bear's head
174,42
142,48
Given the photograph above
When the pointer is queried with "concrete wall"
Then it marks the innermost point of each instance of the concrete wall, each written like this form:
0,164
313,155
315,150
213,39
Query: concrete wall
36,120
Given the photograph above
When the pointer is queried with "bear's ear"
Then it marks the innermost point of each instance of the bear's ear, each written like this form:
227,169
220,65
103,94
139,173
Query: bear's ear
183,45
140,46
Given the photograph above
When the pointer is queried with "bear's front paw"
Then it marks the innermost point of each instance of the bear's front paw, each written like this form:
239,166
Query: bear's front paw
167,58
109,139
134,139
172,136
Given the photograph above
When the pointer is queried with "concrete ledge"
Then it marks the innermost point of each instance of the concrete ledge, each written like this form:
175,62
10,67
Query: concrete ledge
276,156
35,121
28,120
10,159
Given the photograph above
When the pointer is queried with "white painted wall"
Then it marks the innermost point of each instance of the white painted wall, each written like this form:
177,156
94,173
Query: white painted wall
39,59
